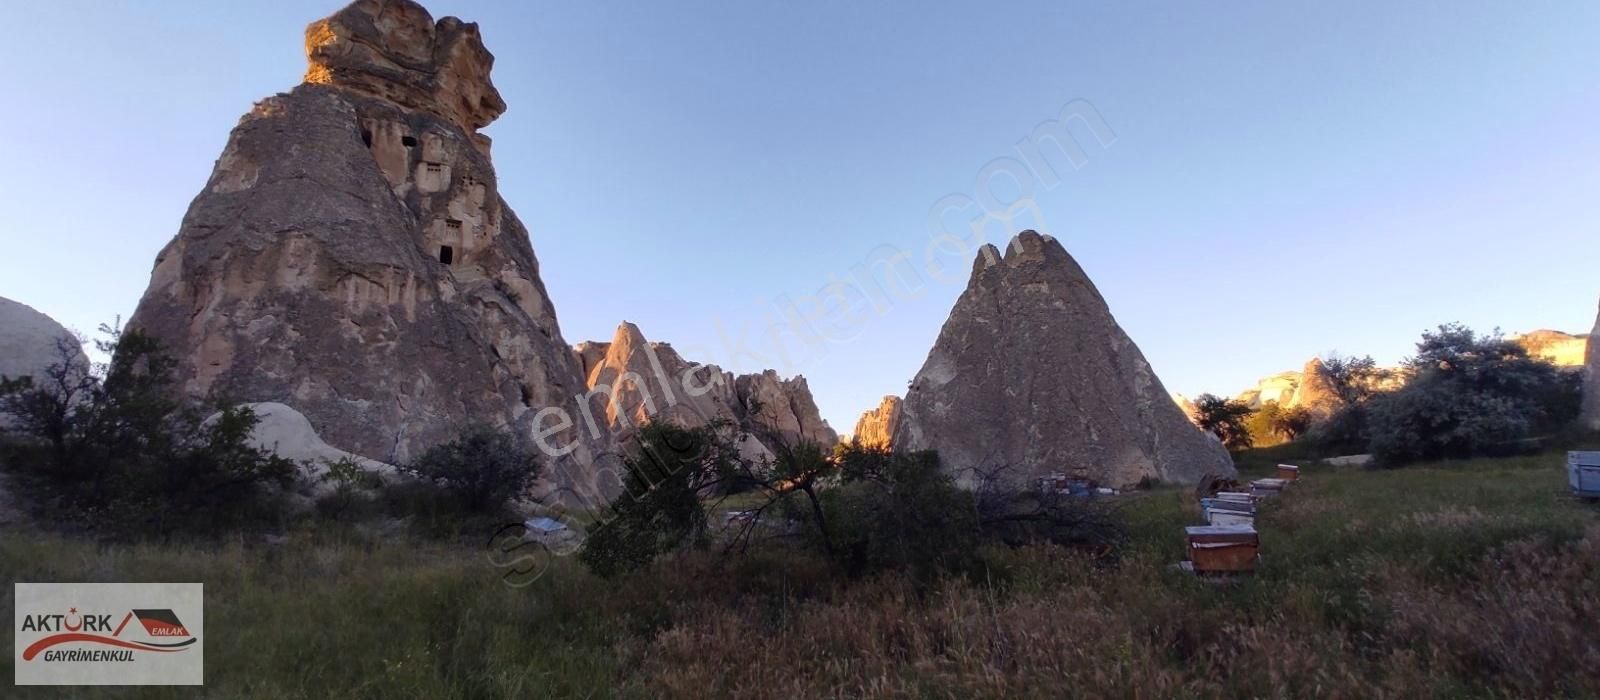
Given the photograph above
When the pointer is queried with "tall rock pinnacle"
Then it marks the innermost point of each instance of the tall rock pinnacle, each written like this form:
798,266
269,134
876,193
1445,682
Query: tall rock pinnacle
351,255
1033,374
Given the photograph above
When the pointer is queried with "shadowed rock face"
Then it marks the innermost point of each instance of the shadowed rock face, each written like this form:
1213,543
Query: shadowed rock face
876,427
1031,371
351,255
633,381
1591,386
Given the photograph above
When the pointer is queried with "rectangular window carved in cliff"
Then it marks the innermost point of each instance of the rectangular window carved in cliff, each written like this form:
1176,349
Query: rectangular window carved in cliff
447,254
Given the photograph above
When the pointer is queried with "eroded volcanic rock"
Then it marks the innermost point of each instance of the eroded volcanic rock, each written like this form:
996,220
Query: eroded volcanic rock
31,343
633,381
1032,372
876,427
351,255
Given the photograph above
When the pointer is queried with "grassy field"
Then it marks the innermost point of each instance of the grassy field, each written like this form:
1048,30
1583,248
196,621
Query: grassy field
1464,579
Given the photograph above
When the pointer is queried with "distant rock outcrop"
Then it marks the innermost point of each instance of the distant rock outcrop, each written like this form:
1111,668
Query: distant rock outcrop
783,407
632,381
1591,386
31,342
1559,349
876,427
1316,393
351,254
1280,388
1031,372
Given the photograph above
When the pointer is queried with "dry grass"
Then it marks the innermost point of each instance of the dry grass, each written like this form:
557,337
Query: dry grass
1471,579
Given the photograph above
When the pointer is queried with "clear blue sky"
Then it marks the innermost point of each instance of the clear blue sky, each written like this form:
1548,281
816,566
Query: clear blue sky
1287,179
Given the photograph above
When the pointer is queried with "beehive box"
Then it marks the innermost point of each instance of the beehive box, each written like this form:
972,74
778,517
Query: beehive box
1236,497
1223,516
1583,473
1262,488
1223,548
1288,472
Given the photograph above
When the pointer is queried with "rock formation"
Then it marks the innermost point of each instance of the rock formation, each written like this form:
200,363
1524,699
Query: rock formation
1316,393
31,342
632,381
1280,388
1591,386
876,427
287,433
1031,372
783,407
1559,349
351,255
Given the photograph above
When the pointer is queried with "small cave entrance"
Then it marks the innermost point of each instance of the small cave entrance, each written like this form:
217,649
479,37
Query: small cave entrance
408,141
527,395
366,137
447,254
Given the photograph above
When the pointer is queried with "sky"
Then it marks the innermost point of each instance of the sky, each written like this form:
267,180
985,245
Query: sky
1254,183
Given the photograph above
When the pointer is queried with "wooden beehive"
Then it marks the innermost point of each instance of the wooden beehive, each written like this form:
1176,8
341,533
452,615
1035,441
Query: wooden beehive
1228,512
1223,548
1288,472
1261,488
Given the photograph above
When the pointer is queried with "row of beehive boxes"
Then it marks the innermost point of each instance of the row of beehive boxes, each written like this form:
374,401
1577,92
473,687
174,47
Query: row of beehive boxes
1228,542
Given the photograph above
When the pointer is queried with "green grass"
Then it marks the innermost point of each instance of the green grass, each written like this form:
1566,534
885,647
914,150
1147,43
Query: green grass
1461,579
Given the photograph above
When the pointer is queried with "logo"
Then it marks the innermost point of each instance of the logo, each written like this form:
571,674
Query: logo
109,634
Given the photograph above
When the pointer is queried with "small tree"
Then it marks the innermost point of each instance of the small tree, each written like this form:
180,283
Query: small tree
1224,418
1284,423
483,468
1354,380
660,509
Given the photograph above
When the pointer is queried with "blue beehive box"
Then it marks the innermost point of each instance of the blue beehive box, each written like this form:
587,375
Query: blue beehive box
1583,473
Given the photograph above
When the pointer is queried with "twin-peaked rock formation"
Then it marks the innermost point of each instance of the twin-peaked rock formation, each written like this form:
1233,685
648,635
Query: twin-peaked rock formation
351,255
633,381
1032,373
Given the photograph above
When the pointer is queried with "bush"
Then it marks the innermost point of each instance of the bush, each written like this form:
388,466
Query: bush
899,511
1468,394
121,452
481,470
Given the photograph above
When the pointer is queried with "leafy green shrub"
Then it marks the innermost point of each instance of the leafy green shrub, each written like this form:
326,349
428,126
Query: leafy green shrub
899,511
481,470
348,481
